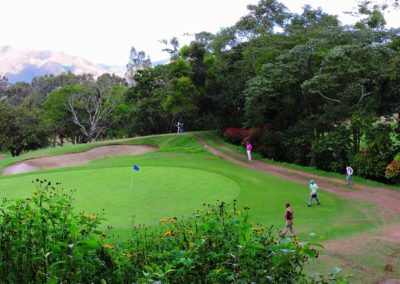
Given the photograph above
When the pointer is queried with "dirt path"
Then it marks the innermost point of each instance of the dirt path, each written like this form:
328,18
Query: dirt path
386,201
76,159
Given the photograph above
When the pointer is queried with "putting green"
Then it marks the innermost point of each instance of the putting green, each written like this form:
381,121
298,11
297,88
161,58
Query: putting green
157,192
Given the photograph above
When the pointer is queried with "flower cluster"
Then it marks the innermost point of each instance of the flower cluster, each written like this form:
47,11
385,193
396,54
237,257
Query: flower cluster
235,135
393,169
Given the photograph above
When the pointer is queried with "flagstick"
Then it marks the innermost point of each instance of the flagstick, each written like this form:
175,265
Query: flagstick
132,182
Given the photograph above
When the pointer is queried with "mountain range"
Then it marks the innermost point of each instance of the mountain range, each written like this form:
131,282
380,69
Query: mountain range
22,65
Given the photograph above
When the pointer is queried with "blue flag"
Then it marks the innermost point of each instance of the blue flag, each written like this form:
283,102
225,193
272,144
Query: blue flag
136,168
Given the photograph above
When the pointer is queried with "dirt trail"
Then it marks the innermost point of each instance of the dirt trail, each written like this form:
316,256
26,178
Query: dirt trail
385,200
76,159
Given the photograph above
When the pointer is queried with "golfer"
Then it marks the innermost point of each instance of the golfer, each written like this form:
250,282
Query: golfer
179,125
248,148
289,221
349,173
313,193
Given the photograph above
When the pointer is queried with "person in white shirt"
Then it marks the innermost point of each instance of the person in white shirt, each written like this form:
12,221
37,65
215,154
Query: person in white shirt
313,193
349,173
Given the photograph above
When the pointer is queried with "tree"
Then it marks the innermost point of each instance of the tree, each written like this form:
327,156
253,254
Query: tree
91,108
42,86
17,93
20,130
262,18
179,101
56,115
137,61
147,96
173,50
3,86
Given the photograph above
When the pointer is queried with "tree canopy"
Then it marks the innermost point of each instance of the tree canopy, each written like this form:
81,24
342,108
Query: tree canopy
312,90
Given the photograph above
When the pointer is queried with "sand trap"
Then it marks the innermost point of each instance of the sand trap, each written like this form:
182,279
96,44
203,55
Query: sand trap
76,159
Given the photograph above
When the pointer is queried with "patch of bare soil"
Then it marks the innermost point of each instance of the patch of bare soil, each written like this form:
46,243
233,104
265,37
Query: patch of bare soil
385,201
76,159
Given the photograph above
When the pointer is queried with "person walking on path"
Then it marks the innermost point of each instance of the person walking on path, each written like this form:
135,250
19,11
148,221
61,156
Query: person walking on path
248,149
313,193
349,173
289,221
179,125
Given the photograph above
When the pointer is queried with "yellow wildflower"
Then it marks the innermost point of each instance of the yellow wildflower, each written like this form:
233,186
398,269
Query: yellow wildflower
168,233
108,246
84,215
172,220
203,237
191,232
93,217
209,212
237,213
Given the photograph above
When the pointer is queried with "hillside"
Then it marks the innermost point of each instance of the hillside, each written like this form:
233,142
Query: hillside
21,65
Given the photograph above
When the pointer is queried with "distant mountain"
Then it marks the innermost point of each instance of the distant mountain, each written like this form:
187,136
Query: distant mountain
21,65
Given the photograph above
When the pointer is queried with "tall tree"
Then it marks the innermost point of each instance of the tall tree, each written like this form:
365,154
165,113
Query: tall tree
172,48
137,61
91,109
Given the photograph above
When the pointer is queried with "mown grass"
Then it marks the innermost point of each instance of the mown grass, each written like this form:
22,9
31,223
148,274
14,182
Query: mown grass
240,149
180,177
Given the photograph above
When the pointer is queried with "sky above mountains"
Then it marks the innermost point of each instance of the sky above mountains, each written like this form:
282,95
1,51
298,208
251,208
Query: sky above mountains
103,31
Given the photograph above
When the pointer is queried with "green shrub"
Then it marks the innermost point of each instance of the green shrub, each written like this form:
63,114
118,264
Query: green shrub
42,240
215,245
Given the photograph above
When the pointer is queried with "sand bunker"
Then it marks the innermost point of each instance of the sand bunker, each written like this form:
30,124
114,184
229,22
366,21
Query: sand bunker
76,159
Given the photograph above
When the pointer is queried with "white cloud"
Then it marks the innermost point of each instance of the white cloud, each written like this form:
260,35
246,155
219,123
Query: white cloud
104,30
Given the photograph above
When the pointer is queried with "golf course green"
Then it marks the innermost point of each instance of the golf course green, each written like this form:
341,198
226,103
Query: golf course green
148,194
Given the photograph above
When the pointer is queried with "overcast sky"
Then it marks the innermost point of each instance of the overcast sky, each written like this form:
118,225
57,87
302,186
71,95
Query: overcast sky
104,30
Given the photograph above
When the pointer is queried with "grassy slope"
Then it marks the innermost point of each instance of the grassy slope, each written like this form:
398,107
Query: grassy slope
313,170
360,263
180,177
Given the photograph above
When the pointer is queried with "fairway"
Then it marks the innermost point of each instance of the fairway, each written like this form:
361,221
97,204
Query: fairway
180,177
156,192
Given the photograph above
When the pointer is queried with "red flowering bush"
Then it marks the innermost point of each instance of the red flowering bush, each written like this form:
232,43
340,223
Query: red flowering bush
235,135
393,169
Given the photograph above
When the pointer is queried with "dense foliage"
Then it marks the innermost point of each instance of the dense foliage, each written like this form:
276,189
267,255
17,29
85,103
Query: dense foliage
315,91
44,240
